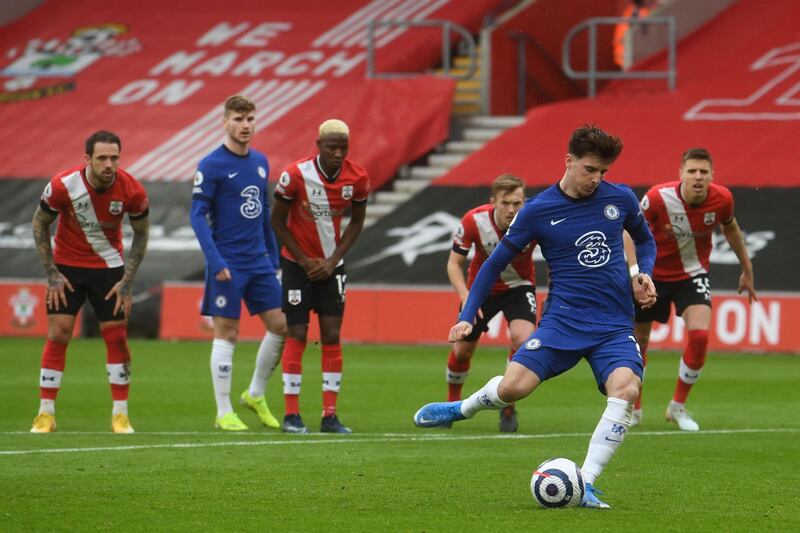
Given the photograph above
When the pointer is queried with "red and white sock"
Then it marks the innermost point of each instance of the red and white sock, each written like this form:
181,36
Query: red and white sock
331,377
692,362
457,372
292,364
54,356
118,366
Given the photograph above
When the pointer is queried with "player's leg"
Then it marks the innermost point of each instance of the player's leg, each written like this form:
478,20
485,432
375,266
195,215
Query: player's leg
222,301
642,333
263,297
60,325
520,330
458,364
618,370
297,304
330,327
54,354
114,330
693,304
643,323
329,304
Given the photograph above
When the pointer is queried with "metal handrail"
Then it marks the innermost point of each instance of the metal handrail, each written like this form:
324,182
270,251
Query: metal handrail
592,74
447,27
521,39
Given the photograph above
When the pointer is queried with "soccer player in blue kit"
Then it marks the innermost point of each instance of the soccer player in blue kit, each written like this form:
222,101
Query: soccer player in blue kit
578,223
241,255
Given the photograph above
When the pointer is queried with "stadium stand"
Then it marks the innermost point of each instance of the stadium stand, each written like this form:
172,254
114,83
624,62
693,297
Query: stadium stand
740,105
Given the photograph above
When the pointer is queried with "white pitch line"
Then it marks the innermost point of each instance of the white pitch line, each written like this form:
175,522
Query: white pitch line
385,437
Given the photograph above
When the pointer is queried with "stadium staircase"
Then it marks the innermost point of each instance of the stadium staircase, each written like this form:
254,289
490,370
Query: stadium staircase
469,132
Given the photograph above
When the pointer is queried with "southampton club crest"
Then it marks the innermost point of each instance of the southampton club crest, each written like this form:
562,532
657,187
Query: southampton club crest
709,218
347,192
115,207
33,66
295,296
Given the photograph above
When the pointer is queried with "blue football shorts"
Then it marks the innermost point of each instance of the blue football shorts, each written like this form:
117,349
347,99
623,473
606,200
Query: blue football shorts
556,346
261,291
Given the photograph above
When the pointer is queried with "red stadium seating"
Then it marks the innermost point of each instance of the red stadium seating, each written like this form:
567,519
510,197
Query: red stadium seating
157,73
736,96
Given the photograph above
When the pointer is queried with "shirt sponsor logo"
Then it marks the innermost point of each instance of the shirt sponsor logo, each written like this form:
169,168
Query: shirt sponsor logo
595,252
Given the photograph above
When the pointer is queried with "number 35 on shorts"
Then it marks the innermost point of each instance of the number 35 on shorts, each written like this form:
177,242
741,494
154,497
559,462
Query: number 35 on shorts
703,286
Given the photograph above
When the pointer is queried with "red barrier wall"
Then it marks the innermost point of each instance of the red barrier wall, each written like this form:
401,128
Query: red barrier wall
413,316
22,309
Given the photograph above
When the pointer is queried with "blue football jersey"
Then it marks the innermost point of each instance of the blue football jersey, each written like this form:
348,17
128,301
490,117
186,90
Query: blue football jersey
234,189
581,240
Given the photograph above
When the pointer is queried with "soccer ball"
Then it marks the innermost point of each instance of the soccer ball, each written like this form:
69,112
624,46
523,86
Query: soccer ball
557,483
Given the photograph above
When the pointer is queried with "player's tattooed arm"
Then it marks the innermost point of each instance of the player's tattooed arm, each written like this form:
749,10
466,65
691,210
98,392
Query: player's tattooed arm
123,289
56,282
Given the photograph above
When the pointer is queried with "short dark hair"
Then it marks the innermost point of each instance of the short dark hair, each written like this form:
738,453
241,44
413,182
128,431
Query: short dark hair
101,136
696,153
239,104
589,139
506,183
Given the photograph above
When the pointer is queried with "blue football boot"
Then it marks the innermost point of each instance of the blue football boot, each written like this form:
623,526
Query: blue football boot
438,414
591,500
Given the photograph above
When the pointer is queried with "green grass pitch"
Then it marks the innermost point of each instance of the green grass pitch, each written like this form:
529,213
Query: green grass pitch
740,473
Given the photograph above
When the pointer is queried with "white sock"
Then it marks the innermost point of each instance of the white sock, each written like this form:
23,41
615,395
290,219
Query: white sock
485,398
47,407
120,407
267,359
607,437
221,371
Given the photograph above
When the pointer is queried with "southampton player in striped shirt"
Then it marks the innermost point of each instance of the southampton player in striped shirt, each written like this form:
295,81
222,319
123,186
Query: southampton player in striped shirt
312,196
682,216
230,192
513,294
90,202
578,223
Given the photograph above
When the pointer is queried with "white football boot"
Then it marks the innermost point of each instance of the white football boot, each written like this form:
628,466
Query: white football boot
676,412
636,417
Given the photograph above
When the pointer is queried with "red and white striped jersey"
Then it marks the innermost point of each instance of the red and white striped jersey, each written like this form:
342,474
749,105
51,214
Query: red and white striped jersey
684,232
479,229
89,232
317,204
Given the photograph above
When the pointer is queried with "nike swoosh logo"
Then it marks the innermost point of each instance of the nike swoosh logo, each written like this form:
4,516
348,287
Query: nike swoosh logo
232,175
554,222
613,440
423,420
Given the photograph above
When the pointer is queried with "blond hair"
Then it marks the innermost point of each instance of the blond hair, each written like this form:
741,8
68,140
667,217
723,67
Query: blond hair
333,126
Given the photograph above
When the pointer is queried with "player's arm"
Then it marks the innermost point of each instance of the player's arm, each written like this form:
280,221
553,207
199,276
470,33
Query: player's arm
324,269
733,234
269,240
455,273
643,254
123,289
55,294
279,220
197,217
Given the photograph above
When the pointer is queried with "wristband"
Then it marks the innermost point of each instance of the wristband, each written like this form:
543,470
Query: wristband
634,270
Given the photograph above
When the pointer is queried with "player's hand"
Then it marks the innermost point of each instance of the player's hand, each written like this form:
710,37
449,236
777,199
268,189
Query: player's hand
746,283
320,270
223,275
644,291
56,295
459,331
124,297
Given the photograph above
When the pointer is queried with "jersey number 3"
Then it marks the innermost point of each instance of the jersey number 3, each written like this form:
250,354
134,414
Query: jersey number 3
251,207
